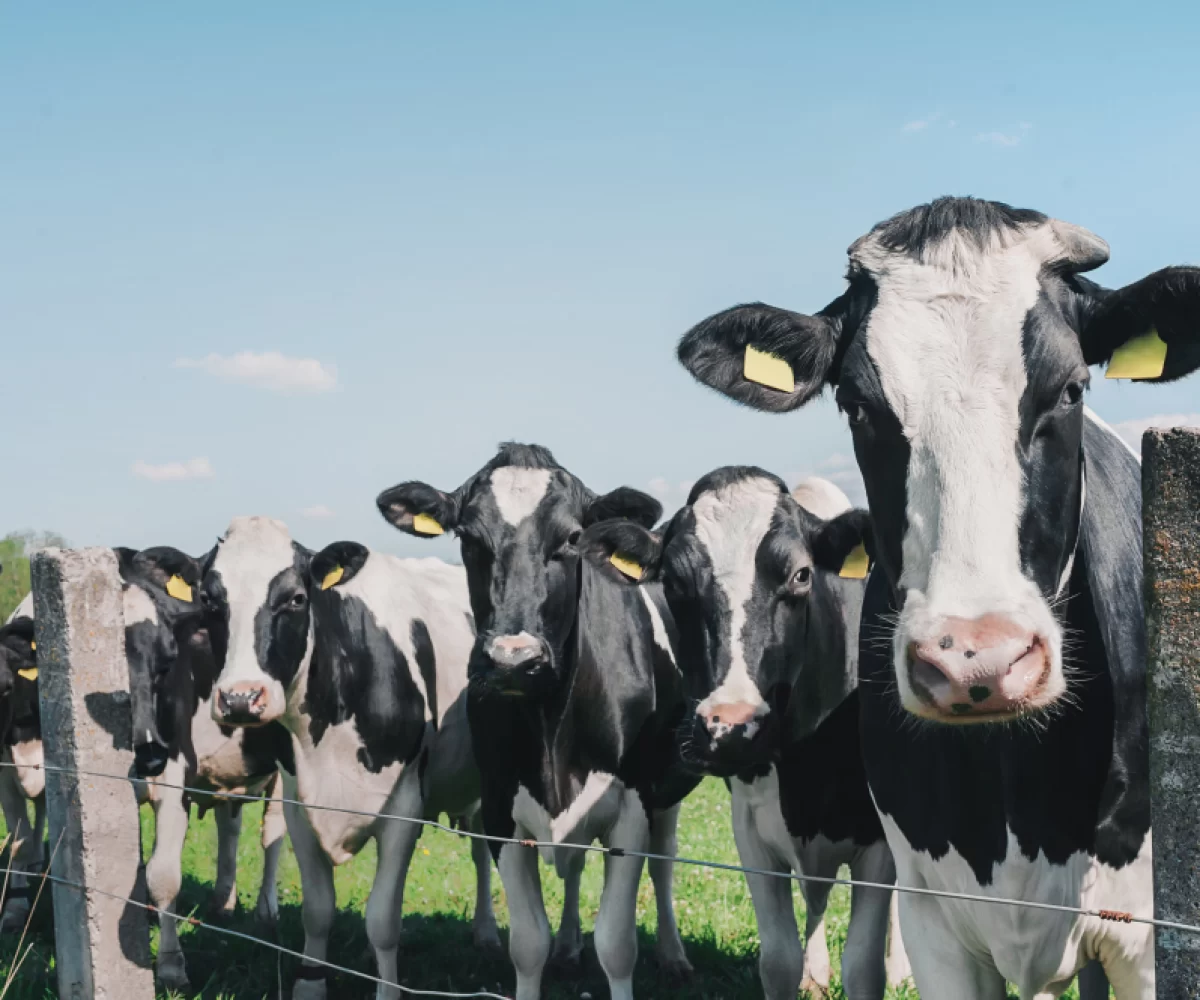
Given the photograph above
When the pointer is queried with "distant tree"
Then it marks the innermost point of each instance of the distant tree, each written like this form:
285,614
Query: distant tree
15,550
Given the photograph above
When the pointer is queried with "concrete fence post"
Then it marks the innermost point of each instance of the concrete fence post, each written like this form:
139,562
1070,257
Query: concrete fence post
1171,526
102,944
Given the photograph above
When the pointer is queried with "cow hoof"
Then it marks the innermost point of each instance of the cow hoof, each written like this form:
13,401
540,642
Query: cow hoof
266,916
813,990
487,940
221,913
172,972
16,915
566,963
676,971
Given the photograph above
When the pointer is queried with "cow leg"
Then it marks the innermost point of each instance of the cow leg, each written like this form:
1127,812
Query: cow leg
396,841
1131,979
484,931
942,968
16,818
164,876
896,962
864,968
229,828
568,942
529,930
274,826
817,966
318,898
781,956
616,923
672,959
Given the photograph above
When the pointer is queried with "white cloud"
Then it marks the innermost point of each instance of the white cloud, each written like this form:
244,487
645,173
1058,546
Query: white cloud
318,512
659,487
838,461
193,468
268,370
998,138
921,124
1132,430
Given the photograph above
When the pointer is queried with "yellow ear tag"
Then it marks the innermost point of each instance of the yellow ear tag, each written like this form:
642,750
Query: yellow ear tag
769,370
32,644
29,675
629,567
423,524
856,565
178,588
1140,358
332,577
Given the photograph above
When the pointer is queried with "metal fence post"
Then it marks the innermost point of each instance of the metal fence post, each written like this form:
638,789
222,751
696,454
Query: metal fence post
102,944
1171,525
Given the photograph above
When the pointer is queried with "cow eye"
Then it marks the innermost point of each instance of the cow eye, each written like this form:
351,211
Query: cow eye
1072,395
210,602
298,601
855,412
801,580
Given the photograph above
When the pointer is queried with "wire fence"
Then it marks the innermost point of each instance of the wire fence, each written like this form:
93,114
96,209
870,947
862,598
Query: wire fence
1119,916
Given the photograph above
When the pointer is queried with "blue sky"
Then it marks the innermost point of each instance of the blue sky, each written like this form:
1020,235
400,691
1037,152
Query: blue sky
273,257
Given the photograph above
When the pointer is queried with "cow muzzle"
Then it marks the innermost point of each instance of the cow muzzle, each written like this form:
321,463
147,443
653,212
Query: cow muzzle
726,738
241,704
518,662
985,669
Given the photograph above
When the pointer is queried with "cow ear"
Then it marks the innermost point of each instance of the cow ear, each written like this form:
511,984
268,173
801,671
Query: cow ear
627,551
624,502
169,570
770,359
337,564
1148,331
845,545
418,509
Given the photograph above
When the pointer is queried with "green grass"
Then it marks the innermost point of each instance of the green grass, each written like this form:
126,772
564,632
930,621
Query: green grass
713,909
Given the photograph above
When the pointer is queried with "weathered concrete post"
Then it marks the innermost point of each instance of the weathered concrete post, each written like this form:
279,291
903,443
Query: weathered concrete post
102,944
1171,523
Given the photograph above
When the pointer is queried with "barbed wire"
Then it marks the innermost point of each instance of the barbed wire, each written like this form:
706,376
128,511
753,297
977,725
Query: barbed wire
1117,916
229,932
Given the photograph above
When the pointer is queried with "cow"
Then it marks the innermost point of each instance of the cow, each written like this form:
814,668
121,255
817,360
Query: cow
362,658
22,779
1003,643
769,636
573,700
177,745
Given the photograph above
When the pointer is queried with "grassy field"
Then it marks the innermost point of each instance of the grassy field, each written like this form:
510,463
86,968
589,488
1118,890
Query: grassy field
714,913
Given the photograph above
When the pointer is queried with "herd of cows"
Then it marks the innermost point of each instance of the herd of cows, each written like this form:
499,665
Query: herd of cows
969,718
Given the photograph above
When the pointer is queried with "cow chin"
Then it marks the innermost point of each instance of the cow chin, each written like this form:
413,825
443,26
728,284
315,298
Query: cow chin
729,757
248,705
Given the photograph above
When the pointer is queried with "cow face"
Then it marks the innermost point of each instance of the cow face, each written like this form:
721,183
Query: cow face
19,713
255,599
960,355
738,564
164,629
519,520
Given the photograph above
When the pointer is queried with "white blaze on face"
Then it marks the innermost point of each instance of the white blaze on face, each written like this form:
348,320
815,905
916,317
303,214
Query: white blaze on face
254,552
518,491
731,523
946,336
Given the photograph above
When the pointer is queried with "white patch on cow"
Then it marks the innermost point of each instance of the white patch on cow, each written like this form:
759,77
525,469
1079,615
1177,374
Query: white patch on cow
254,552
398,591
1065,578
1095,418
29,756
1042,950
22,610
518,491
657,628
946,337
821,497
731,523
566,825
138,606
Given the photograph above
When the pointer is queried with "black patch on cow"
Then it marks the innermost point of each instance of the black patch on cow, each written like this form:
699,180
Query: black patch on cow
426,663
914,231
358,674
20,716
281,624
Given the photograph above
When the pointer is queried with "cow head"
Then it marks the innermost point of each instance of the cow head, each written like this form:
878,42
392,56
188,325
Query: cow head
255,599
19,713
164,637
960,353
738,564
519,520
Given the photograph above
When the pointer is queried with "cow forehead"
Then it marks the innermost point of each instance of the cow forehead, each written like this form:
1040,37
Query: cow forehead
518,491
729,523
255,550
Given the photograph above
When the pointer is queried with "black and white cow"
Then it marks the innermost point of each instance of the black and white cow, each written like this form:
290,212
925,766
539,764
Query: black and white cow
362,658
20,745
177,744
574,697
1004,722
769,639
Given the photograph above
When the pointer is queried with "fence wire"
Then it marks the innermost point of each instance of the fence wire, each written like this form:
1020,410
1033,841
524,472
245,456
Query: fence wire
1118,916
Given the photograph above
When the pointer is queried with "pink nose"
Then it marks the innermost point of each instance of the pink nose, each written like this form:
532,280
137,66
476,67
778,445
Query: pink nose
979,667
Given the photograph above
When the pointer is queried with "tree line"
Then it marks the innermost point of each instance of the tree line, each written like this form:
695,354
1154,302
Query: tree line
15,550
